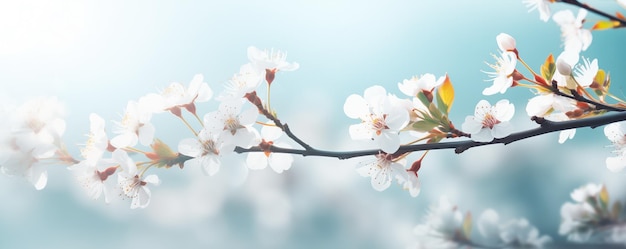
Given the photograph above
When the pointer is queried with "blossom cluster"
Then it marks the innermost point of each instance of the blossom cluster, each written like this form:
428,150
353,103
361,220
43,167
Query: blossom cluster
108,166
445,226
563,91
383,116
30,139
591,218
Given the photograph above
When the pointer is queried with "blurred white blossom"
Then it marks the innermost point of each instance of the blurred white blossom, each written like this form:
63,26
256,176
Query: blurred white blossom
543,6
33,139
591,218
442,227
135,125
233,124
132,182
575,37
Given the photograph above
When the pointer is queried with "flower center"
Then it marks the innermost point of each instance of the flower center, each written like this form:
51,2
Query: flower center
130,122
277,56
383,160
35,124
209,147
131,188
232,124
173,91
490,121
379,124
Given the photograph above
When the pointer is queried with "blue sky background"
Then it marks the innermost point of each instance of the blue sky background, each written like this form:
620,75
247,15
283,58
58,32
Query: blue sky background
96,56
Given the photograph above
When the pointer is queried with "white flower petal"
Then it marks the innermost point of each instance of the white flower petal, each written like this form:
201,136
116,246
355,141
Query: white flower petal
484,135
397,119
615,164
471,125
248,117
154,179
381,180
502,130
388,142
566,134
142,200
38,177
124,140
489,226
356,107
127,164
539,105
503,110
146,134
483,107
271,133
190,147
280,162
374,94
256,160
210,165
366,169
505,42
360,132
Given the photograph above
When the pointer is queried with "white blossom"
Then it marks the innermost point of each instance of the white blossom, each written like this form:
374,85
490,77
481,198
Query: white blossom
543,6
616,133
381,120
489,122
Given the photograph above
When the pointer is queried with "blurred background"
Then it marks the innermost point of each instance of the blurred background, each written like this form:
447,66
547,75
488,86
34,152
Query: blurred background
96,56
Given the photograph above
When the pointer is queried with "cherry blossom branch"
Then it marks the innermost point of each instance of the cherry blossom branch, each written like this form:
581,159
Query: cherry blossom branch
255,100
546,126
622,22
575,96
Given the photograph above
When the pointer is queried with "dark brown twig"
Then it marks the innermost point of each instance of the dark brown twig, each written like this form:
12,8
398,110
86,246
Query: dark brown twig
546,126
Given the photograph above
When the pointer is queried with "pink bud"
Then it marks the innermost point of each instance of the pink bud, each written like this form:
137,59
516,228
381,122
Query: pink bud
505,42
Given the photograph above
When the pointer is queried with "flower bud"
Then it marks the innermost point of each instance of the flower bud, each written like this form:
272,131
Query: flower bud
505,42
563,67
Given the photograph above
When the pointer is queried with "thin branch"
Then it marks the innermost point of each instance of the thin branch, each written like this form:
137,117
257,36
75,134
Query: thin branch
577,97
546,126
622,23
254,99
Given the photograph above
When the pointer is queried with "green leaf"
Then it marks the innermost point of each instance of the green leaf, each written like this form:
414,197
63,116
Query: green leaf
441,105
424,125
548,68
422,97
434,111
445,124
434,140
